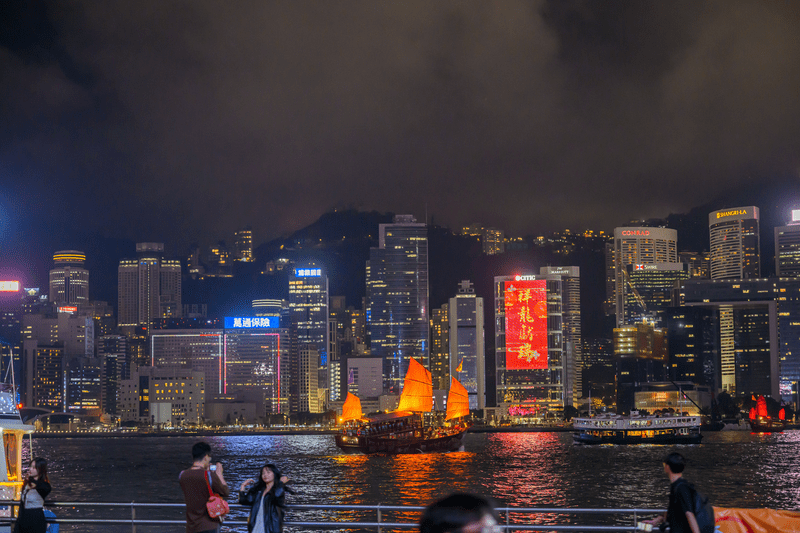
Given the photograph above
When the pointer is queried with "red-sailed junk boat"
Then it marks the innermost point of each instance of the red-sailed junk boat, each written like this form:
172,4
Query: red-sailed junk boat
761,422
412,428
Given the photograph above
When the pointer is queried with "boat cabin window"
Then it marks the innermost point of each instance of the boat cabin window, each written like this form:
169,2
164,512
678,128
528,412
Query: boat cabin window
10,444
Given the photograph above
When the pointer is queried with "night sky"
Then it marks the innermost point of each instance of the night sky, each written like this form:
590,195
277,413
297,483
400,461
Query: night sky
181,121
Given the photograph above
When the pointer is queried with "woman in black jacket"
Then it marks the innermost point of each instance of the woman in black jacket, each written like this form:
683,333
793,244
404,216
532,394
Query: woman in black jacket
31,510
265,499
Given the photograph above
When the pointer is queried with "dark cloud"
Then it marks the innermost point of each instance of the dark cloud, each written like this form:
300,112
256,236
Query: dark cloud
180,121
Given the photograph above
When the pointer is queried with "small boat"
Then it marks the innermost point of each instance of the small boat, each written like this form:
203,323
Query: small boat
760,420
635,429
412,428
12,430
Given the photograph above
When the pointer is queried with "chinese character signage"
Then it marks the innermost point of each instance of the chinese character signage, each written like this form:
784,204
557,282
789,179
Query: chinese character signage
526,324
252,322
308,272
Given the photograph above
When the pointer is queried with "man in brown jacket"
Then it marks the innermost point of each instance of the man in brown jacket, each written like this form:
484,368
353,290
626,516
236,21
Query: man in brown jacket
194,483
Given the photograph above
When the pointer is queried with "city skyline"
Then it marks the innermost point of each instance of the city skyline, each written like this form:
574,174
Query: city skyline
185,123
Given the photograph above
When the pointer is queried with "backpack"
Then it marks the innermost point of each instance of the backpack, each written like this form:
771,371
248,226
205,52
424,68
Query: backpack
703,510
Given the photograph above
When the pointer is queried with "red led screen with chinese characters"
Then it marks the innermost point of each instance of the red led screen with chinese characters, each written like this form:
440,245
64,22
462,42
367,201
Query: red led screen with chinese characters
526,324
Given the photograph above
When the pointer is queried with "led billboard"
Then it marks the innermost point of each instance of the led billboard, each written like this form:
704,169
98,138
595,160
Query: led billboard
9,286
526,324
252,322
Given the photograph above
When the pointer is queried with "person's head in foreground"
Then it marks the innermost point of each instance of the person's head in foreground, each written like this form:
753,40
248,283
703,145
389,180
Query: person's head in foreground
675,463
460,513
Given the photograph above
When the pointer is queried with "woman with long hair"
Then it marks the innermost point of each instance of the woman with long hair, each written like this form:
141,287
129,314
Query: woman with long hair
31,510
265,499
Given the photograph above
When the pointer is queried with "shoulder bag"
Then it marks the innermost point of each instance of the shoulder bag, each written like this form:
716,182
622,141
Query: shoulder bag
216,505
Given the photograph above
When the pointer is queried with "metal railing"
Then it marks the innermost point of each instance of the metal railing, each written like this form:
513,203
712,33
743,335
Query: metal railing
378,518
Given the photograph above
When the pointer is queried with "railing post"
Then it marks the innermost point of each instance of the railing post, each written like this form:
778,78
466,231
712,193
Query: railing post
507,519
133,518
379,518
635,519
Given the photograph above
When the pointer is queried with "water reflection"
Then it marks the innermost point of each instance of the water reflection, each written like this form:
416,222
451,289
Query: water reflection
736,469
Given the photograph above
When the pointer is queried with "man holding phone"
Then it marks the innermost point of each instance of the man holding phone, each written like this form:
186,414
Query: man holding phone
195,482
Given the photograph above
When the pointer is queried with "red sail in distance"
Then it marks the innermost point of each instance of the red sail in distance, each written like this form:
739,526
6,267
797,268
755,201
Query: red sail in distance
752,413
457,400
782,414
351,410
761,410
417,395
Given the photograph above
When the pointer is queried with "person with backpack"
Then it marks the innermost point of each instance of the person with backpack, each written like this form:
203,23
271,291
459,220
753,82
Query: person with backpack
688,510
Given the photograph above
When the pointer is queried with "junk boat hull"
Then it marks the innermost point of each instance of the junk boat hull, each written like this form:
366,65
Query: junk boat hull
767,426
637,430
369,444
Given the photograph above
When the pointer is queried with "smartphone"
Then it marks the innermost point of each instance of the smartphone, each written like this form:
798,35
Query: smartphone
212,467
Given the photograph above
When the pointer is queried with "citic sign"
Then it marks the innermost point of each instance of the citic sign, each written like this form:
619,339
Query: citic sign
735,212
640,232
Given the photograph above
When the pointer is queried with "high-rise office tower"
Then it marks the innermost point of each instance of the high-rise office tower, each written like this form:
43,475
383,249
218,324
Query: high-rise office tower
735,248
530,343
693,345
112,351
69,281
467,354
640,351
397,292
748,319
650,290
308,308
571,323
639,246
50,343
243,245
440,347
149,288
787,248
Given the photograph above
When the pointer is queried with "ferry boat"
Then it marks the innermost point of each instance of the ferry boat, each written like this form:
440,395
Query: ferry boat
412,428
635,429
761,422
12,431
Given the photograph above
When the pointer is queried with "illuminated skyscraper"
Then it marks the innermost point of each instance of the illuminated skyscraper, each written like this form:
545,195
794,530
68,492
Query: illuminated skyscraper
69,281
571,324
530,344
440,347
243,245
308,308
397,292
640,351
493,241
467,355
735,248
650,289
787,248
639,246
148,288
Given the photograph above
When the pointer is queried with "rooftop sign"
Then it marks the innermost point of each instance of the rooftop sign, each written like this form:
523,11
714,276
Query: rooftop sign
9,286
252,322
308,272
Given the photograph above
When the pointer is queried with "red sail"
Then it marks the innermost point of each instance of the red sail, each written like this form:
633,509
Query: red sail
417,395
351,410
752,413
457,400
781,414
761,410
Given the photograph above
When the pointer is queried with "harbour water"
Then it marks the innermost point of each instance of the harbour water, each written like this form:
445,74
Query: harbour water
736,469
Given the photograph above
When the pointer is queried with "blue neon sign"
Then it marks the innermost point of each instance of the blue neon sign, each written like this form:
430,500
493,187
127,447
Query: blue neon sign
308,272
252,322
